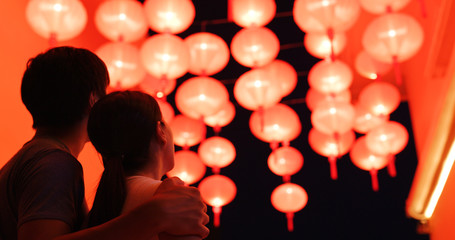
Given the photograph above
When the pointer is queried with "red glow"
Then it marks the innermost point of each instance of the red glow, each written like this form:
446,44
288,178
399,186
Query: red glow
188,167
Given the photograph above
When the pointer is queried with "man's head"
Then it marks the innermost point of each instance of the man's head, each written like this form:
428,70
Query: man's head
58,85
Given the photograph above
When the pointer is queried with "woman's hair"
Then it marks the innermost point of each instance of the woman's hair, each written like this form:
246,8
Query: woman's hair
121,127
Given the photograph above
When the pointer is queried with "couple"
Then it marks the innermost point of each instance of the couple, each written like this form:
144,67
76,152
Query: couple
42,186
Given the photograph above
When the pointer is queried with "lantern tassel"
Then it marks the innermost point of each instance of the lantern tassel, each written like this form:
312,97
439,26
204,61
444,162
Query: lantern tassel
216,216
374,179
290,217
396,67
391,166
333,167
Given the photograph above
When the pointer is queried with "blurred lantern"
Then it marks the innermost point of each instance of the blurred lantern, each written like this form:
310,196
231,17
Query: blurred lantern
209,54
393,38
157,87
285,161
199,97
56,20
165,56
221,118
170,16
388,140
369,67
320,46
166,110
331,146
380,98
188,167
364,159
187,131
217,191
383,6
256,89
289,198
333,117
252,13
123,63
314,97
330,76
279,123
121,20
365,120
255,47
284,73
217,152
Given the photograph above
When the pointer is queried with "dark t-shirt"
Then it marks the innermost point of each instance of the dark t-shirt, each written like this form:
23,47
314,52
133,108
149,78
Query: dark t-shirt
42,181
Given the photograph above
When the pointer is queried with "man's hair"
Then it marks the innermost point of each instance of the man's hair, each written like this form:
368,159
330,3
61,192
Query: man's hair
57,86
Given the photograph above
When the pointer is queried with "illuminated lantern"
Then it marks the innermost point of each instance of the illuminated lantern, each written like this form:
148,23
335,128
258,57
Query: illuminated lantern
383,6
279,123
217,152
364,120
388,140
166,110
165,56
56,20
256,89
170,16
364,159
187,166
252,13
380,98
284,73
199,97
333,117
369,67
330,76
157,87
187,131
285,161
121,20
393,38
289,198
319,44
222,117
209,54
331,146
217,191
123,63
255,47
314,97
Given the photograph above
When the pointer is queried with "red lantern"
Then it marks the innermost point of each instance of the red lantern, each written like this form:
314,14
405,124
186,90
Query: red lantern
255,47
320,45
187,131
199,97
333,117
331,146
330,76
165,56
369,67
256,89
123,63
121,20
156,87
284,73
217,152
252,13
217,191
314,97
380,98
222,117
209,54
383,6
289,198
56,19
166,110
170,16
365,120
188,167
364,159
285,161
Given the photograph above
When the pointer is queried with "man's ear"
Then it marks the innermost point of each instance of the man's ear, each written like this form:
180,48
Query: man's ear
161,133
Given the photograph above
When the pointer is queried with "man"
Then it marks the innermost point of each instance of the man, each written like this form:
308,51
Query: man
42,186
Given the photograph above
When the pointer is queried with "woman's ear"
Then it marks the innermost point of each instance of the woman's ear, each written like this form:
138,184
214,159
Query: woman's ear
161,133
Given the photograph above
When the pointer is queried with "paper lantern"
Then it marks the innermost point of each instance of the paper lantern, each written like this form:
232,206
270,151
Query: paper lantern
217,152
289,198
170,16
222,117
165,56
333,117
257,89
255,47
187,131
314,97
56,20
217,191
383,6
380,98
252,13
166,110
199,97
331,146
285,161
320,45
188,167
284,73
364,120
364,159
369,67
158,87
121,20
209,53
330,76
